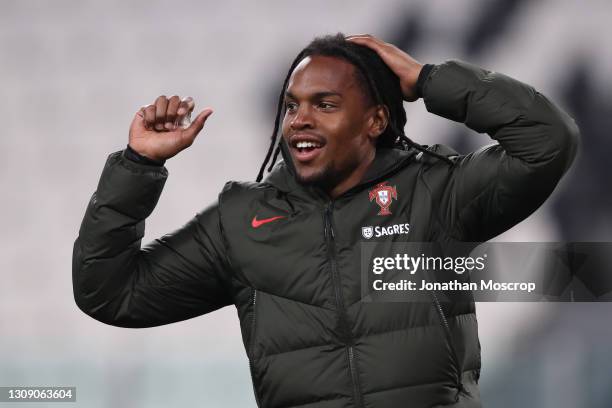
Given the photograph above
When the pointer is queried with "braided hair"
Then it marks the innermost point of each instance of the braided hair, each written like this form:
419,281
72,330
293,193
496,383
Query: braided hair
381,85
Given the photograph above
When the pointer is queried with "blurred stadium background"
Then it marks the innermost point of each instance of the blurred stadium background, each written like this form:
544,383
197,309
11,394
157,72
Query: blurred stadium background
73,73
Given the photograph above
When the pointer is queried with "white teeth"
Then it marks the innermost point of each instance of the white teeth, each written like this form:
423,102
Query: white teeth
303,145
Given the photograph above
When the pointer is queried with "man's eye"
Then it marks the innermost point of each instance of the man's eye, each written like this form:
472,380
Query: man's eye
326,105
290,106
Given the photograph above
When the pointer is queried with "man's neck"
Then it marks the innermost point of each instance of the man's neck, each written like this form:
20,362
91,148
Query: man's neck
353,179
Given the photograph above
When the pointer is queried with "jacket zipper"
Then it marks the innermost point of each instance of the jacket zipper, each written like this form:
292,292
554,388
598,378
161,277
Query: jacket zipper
348,338
451,344
252,346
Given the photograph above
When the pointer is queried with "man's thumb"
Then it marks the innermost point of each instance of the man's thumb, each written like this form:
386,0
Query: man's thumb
196,126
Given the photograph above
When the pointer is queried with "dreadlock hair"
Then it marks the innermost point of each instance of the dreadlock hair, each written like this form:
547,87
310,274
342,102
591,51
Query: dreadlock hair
381,85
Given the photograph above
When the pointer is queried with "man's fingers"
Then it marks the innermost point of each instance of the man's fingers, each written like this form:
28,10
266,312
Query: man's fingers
369,41
365,38
196,126
161,105
186,106
149,116
173,105
167,114
353,36
184,111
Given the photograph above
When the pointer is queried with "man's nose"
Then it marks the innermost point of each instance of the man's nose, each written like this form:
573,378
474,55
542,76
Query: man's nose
302,118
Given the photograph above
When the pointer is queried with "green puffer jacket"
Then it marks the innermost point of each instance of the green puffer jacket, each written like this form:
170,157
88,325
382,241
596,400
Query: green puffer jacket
288,257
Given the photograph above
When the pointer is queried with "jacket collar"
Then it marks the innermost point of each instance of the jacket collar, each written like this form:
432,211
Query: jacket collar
386,161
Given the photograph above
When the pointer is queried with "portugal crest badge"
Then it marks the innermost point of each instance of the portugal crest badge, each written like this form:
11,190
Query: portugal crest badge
383,194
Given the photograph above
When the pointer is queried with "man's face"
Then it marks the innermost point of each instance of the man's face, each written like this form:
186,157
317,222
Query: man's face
328,125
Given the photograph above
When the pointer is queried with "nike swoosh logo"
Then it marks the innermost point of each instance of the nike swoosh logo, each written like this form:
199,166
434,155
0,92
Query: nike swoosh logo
258,223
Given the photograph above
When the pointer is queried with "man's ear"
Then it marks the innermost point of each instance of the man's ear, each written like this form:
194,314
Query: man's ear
378,121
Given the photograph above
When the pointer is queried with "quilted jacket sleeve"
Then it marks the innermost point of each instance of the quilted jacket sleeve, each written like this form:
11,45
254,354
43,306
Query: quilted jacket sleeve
178,276
496,187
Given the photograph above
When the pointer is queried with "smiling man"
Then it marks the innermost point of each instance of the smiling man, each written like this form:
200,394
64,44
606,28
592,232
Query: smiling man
285,250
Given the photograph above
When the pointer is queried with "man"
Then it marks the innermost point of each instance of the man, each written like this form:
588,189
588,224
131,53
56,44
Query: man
286,251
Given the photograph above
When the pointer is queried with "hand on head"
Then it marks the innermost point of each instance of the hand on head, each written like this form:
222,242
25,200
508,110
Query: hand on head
403,65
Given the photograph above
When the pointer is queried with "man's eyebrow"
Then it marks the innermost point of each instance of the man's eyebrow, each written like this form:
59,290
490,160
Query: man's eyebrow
317,95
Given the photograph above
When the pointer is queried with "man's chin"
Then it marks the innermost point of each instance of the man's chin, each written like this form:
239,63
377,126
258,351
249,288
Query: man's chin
325,178
317,178
310,179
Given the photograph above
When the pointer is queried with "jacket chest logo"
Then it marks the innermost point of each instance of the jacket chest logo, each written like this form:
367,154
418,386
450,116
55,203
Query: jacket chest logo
255,223
383,194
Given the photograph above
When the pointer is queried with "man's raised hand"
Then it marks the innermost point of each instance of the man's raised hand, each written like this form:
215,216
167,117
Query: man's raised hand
161,130
403,65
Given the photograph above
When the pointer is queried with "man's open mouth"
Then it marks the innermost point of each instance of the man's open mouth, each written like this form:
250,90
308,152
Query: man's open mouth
305,147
